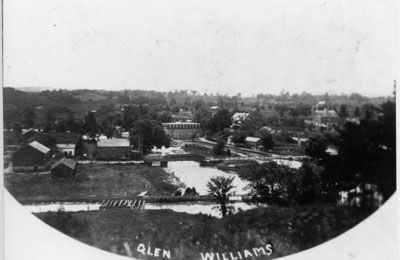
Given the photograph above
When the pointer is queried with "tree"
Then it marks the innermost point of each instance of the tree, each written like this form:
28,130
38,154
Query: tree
73,125
28,117
316,146
368,111
267,141
50,117
221,188
239,137
389,111
17,130
308,184
270,183
90,124
148,133
218,149
253,122
343,111
172,102
164,117
357,112
202,116
221,120
366,158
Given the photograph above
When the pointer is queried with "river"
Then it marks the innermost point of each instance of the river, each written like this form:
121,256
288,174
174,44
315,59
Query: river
208,208
192,175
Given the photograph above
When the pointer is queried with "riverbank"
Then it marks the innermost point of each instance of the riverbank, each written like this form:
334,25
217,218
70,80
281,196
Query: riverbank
93,182
185,236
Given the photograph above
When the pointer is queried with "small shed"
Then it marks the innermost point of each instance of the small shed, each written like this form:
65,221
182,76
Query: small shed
253,142
63,169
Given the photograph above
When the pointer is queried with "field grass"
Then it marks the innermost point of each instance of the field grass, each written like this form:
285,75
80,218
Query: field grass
289,230
92,182
90,97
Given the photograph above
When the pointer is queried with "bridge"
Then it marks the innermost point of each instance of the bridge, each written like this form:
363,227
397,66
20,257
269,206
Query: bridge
183,157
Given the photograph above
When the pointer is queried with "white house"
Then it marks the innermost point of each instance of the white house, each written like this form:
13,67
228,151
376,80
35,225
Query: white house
253,142
67,149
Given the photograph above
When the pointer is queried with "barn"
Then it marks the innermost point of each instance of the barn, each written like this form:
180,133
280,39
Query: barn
64,168
32,157
113,149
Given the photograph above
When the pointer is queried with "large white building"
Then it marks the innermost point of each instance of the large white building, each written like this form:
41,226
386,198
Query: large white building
182,130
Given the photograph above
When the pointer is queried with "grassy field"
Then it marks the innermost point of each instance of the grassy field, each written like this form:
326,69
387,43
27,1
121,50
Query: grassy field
289,230
92,182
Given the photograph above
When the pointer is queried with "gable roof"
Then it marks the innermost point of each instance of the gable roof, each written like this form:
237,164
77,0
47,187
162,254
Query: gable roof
67,162
252,139
113,142
30,130
240,116
40,147
66,146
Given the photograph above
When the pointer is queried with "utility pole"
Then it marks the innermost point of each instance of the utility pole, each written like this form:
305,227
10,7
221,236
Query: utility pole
140,133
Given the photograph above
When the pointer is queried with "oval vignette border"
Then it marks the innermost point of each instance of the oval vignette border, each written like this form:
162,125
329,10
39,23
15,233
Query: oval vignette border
373,238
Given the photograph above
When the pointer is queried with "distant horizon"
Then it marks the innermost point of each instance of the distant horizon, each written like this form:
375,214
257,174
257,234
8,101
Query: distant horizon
33,89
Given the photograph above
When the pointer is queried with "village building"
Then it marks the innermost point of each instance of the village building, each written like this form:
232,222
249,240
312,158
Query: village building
253,142
182,130
32,157
214,110
66,143
125,135
267,129
238,118
30,134
64,168
118,131
324,117
113,149
66,149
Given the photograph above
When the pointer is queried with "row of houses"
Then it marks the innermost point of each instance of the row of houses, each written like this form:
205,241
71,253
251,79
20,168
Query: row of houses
41,148
35,156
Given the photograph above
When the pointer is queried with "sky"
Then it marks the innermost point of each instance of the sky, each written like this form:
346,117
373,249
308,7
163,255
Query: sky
224,46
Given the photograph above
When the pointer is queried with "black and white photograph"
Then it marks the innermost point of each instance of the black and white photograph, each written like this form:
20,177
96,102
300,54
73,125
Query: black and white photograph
199,130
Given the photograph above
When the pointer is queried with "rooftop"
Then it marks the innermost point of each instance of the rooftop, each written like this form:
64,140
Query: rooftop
67,162
113,142
180,123
252,139
40,147
66,146
326,113
240,116
25,131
